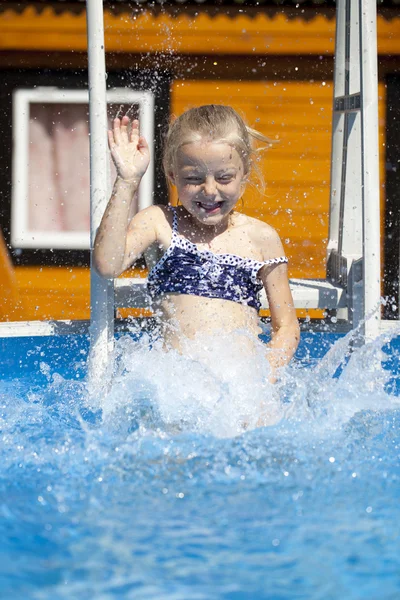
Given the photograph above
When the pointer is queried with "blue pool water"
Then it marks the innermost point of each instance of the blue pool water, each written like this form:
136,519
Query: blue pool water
142,493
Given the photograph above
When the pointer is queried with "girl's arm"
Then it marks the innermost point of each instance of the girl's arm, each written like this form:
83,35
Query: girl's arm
121,237
285,326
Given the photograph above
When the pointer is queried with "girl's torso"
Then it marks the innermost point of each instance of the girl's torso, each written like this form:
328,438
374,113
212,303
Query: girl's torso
206,284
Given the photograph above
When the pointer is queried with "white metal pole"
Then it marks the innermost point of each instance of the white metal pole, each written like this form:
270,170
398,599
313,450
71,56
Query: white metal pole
101,290
337,129
370,166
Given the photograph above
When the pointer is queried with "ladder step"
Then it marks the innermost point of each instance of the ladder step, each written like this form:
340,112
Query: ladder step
307,293
131,293
317,293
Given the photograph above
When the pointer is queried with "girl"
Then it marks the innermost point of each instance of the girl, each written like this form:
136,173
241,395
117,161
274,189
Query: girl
214,260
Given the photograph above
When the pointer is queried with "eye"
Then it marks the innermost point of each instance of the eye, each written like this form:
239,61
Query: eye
225,178
193,180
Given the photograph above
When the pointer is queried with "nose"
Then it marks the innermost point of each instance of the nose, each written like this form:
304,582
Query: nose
210,187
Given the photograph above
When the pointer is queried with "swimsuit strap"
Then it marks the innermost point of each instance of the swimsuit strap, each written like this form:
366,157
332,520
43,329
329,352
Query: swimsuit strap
174,219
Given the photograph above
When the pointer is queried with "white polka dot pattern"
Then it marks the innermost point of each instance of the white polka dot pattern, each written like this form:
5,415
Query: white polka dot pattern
204,273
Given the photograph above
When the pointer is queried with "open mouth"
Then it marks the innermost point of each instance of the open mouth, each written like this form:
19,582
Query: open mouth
210,208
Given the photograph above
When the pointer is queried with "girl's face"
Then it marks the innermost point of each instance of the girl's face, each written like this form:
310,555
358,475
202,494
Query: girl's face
210,179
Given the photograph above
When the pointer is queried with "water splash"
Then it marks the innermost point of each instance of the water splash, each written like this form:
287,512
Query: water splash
213,388
162,492
217,388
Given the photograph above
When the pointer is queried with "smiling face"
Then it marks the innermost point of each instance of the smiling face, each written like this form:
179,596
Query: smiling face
210,179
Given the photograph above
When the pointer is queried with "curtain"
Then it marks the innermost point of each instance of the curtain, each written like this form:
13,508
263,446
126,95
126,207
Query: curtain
59,176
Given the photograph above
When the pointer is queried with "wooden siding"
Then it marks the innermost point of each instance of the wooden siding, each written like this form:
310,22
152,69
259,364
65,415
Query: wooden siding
143,31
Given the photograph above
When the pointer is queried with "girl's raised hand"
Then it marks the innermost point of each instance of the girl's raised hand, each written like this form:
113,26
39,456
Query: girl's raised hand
129,150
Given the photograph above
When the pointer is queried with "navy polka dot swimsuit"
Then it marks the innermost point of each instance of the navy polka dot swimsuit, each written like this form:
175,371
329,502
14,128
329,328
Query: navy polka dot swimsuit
184,269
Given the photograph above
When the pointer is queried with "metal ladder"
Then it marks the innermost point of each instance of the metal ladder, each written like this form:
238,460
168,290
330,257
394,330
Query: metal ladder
352,287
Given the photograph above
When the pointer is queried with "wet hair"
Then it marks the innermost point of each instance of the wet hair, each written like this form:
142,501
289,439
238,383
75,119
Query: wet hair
217,123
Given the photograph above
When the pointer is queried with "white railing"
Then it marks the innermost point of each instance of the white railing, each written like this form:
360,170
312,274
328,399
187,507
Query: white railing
354,223
101,290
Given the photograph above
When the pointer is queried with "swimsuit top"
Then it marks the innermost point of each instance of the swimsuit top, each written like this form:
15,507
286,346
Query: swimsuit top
184,269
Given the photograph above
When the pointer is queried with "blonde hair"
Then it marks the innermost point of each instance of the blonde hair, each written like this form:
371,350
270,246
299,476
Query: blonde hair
218,123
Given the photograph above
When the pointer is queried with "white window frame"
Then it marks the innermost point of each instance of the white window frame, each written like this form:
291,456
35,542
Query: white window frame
21,236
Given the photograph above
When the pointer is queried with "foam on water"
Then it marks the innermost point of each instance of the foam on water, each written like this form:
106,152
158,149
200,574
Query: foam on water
213,388
165,487
217,388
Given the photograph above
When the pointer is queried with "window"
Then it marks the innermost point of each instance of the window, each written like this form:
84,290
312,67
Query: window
50,206
15,167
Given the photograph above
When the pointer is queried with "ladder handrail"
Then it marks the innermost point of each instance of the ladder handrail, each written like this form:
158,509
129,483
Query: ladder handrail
354,228
370,165
101,290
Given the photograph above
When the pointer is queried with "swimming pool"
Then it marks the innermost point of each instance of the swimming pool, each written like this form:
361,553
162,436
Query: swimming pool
108,500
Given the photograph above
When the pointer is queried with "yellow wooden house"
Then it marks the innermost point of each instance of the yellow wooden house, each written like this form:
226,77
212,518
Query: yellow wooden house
272,61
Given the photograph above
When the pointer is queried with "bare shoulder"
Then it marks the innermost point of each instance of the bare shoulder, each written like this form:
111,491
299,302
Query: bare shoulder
154,217
265,238
154,224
